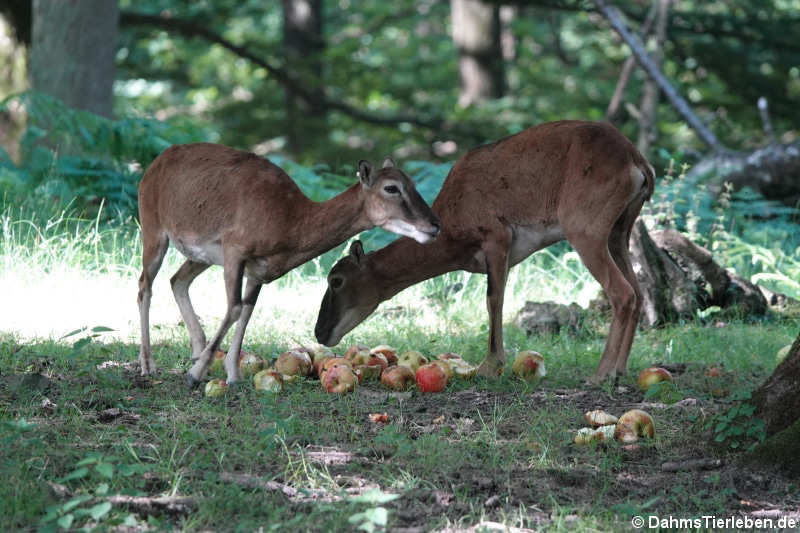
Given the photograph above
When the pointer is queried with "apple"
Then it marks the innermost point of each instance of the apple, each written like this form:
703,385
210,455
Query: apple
600,418
387,351
369,371
431,378
339,379
652,375
216,387
250,364
330,363
320,351
379,360
398,378
462,369
294,363
217,363
529,365
412,359
634,424
357,354
589,435
713,372
449,356
319,362
782,353
446,366
268,380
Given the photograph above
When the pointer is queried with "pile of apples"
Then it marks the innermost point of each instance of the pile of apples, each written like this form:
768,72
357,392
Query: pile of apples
605,427
341,374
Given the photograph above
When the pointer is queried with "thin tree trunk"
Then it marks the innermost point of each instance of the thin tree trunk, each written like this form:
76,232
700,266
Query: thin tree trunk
303,47
676,100
648,107
476,34
627,68
72,51
778,399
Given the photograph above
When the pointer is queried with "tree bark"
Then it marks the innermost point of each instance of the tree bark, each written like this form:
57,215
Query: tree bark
304,46
72,51
476,34
679,278
778,399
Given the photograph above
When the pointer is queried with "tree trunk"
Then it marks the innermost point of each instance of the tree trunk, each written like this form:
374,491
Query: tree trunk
679,278
648,107
778,404
778,399
303,47
72,51
476,34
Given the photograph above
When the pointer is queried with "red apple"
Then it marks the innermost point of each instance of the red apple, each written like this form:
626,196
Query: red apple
387,351
319,362
294,363
652,375
398,378
431,378
330,363
268,380
529,365
216,387
634,424
339,379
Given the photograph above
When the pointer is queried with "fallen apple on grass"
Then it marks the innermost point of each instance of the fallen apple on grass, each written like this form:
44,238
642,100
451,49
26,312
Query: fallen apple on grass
412,359
446,366
431,378
268,380
339,379
529,365
387,351
294,363
369,372
599,418
634,424
330,363
250,364
358,355
398,378
216,387
599,434
652,375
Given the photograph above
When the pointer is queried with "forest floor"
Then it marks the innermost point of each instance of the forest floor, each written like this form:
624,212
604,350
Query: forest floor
87,442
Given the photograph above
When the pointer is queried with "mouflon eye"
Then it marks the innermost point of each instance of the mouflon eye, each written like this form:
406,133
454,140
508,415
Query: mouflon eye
391,189
336,282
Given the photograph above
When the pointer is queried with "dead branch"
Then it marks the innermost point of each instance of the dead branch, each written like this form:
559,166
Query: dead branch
678,102
627,68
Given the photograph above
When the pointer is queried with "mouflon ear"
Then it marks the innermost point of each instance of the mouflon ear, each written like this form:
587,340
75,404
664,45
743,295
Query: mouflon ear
365,173
388,163
357,251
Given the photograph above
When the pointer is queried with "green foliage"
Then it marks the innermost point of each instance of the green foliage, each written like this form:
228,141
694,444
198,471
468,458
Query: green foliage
76,156
737,428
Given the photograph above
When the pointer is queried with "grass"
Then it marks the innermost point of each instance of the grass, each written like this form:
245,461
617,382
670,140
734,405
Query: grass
79,425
